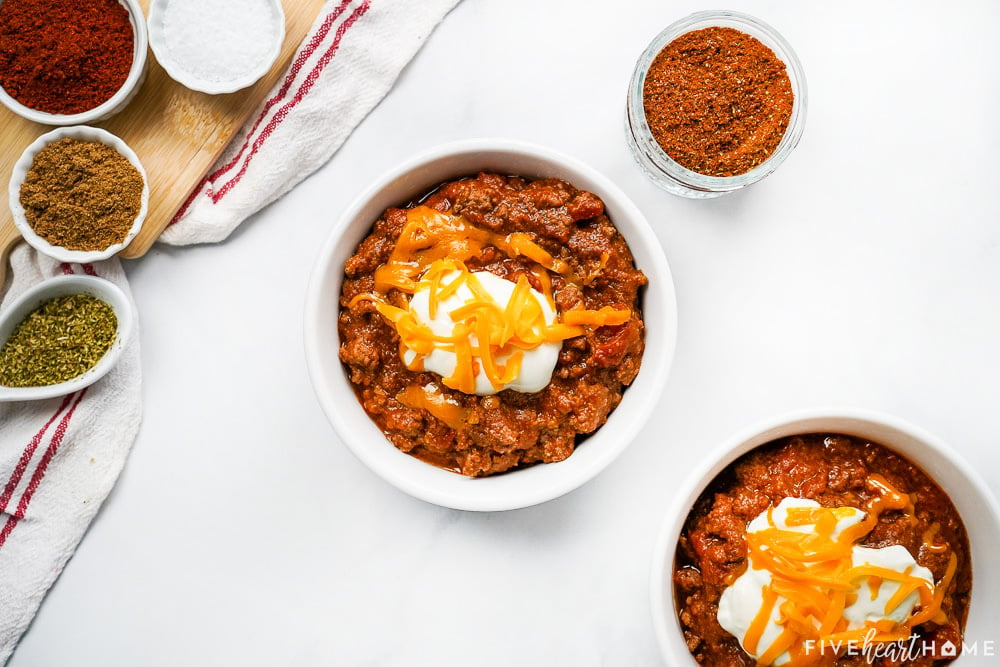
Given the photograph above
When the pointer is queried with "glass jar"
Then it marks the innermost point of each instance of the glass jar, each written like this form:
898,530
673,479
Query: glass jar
660,167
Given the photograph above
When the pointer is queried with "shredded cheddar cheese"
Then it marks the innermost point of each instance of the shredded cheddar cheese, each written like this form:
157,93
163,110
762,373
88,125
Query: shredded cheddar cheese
430,235
813,579
488,337
430,399
930,539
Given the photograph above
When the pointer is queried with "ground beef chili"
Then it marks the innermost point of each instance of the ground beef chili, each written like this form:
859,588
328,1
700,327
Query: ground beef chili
510,428
832,470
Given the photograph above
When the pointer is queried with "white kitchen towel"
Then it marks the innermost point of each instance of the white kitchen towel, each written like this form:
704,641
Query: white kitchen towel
354,52
59,459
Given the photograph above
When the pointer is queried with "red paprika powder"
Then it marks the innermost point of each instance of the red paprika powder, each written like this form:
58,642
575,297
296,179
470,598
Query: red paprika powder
64,56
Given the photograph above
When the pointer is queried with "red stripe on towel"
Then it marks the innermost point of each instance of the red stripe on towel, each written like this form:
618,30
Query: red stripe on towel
187,203
43,465
7,528
303,90
26,455
39,473
300,60
296,67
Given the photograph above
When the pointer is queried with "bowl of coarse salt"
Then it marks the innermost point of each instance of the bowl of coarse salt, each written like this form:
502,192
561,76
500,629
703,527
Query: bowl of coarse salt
216,46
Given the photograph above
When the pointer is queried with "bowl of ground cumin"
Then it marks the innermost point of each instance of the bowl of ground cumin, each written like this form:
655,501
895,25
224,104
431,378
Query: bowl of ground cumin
717,101
825,537
66,62
78,194
500,425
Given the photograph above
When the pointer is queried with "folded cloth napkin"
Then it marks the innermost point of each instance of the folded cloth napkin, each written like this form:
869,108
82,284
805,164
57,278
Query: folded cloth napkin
353,54
59,459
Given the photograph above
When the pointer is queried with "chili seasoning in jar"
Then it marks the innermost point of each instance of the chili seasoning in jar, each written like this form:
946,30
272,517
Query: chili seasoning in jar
716,102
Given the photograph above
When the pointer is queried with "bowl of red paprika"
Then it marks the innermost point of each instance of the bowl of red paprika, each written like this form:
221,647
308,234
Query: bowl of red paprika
66,62
717,101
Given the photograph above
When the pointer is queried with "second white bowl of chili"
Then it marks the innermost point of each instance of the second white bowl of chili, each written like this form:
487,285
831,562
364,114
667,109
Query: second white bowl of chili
895,456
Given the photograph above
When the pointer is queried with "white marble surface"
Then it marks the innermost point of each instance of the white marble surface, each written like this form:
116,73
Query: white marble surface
866,272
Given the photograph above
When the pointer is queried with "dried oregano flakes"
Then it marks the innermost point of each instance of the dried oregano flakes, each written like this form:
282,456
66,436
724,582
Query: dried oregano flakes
61,339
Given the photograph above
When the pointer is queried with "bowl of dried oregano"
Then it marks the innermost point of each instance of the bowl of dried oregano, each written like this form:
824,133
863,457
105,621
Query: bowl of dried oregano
62,335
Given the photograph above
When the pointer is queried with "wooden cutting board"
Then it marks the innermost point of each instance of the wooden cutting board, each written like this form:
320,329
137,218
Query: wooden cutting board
177,133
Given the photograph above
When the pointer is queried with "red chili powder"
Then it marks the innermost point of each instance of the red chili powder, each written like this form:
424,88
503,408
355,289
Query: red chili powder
717,101
64,56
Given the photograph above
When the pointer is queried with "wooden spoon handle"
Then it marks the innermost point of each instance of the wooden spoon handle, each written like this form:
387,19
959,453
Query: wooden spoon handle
9,236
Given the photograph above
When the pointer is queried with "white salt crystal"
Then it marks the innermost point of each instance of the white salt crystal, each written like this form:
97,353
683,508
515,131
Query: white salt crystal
220,40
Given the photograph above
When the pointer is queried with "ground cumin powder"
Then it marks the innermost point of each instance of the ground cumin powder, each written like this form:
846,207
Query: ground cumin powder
81,195
717,101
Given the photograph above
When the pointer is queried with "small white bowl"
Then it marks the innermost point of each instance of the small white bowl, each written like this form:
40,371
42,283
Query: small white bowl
115,103
518,488
188,79
970,494
20,171
52,288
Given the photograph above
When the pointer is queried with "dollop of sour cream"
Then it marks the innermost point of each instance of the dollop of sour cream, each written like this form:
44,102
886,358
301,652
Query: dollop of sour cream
537,363
741,602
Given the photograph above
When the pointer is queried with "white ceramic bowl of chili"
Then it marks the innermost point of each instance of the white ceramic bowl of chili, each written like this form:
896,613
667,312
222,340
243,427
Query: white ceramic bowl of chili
115,103
971,496
20,171
521,487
